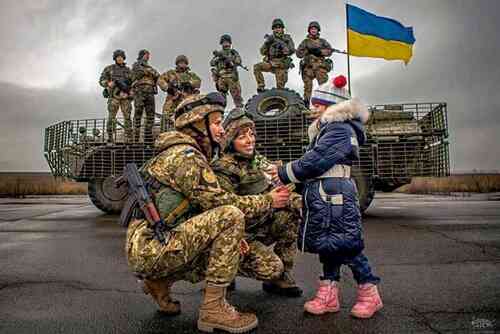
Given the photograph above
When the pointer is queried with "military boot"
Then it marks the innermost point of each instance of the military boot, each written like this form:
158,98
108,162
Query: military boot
283,286
217,313
160,291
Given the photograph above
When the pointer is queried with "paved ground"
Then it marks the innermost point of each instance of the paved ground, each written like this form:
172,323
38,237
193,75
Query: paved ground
62,270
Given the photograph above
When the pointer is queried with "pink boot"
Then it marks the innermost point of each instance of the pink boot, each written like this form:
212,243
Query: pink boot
326,299
368,301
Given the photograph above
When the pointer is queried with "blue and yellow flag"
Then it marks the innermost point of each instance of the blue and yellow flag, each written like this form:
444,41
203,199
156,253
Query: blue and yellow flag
374,36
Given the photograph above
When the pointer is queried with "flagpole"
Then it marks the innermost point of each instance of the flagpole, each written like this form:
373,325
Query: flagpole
348,58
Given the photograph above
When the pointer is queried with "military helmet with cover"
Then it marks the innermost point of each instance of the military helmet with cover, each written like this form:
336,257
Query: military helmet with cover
234,122
119,53
314,24
195,108
277,23
225,38
141,54
181,59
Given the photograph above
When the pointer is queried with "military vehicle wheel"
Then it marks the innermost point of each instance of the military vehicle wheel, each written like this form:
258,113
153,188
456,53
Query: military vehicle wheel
105,196
366,190
273,104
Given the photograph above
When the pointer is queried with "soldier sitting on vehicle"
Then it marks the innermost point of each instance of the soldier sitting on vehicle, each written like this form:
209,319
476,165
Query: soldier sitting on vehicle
225,70
116,79
277,51
201,217
144,78
177,83
241,170
315,64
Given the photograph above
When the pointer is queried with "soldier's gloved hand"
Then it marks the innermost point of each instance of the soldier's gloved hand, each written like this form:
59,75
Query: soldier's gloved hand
272,170
281,196
296,201
244,247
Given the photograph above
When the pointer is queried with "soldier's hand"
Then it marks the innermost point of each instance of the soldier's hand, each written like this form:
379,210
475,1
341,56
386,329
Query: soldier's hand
111,84
281,196
244,247
273,171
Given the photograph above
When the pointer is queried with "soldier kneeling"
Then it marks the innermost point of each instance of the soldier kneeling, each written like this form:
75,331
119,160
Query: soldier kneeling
202,218
240,170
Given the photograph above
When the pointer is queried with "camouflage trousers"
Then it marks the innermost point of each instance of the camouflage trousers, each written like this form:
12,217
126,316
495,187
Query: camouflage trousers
262,262
168,115
144,103
114,105
280,71
225,84
309,74
216,234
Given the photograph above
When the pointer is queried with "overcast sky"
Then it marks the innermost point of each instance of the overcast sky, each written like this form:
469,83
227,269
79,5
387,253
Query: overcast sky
53,53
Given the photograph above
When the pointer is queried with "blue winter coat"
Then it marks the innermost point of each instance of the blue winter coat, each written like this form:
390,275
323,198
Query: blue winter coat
332,218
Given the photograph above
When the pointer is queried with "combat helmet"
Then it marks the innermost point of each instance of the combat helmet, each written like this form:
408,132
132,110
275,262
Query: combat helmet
195,108
180,59
141,54
225,38
233,123
117,53
314,24
277,23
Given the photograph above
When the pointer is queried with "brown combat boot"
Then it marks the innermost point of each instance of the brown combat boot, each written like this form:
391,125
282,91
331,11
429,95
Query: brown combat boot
283,286
160,291
216,313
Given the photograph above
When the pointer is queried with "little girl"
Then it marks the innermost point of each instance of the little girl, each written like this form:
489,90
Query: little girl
332,219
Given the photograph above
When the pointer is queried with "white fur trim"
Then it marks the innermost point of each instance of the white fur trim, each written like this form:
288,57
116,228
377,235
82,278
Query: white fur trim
313,130
346,110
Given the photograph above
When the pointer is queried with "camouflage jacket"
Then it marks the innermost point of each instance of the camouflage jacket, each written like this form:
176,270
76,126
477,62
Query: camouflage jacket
182,166
274,51
307,46
226,65
144,77
115,72
179,77
245,176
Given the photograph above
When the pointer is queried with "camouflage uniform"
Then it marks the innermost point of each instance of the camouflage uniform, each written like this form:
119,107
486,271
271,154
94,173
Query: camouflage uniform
225,72
211,223
117,100
314,52
144,79
277,51
240,175
174,95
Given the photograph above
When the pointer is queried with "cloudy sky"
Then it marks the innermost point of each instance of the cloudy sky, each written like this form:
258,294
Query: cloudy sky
54,51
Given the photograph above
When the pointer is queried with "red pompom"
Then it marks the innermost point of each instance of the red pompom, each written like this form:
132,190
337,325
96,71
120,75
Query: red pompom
340,81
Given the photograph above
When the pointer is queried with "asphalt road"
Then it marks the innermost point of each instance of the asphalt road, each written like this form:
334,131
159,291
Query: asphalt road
63,270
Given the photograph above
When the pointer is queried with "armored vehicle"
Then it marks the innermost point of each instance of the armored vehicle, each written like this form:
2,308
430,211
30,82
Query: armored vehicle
404,140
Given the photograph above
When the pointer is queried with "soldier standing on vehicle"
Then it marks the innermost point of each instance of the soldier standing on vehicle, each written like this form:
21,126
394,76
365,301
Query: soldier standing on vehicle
225,70
277,51
177,83
116,79
315,64
144,80
203,218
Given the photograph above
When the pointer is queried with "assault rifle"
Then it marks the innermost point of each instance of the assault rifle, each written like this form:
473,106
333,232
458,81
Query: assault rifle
227,61
138,196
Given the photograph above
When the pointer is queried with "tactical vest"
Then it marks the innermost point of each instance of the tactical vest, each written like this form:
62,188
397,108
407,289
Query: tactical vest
227,72
174,208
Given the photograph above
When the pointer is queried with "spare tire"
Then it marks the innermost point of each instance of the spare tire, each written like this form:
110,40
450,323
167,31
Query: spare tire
105,196
274,104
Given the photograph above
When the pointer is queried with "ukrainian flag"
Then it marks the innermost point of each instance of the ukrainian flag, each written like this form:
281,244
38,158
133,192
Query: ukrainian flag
374,36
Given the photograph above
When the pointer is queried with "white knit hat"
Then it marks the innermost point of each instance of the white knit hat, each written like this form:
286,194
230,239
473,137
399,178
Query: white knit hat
331,92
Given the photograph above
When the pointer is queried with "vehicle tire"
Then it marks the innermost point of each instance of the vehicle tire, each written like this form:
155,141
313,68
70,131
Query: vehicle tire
105,196
273,104
366,191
